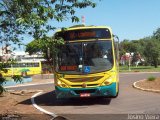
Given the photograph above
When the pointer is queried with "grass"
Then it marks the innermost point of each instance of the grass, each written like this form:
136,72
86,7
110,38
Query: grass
151,78
139,69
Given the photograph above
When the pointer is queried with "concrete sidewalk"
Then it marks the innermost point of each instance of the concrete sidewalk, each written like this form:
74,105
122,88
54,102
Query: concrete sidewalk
36,80
43,78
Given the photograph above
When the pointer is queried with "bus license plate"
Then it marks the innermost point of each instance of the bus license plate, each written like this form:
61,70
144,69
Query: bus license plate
85,95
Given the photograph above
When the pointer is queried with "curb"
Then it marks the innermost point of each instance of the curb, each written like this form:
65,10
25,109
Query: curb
143,89
28,84
137,72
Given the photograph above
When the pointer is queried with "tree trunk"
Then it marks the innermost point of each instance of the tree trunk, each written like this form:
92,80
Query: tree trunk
155,62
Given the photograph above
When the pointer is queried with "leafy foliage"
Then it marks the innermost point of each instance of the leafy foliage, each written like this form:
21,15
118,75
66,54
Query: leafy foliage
148,47
156,34
1,89
152,51
2,80
17,78
46,45
31,17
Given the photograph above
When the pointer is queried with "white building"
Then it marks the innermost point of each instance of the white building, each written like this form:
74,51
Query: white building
21,56
34,57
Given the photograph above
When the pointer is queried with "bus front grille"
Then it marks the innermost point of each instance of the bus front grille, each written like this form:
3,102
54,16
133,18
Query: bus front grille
86,79
88,85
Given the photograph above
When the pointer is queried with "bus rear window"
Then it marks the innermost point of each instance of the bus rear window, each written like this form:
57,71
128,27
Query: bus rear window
84,34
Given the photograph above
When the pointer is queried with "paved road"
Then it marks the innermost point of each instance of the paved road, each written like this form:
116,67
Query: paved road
130,101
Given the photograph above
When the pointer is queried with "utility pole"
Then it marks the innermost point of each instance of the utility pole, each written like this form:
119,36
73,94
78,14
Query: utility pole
129,62
83,20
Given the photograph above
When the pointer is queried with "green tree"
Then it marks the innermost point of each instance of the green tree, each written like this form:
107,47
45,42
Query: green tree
152,51
156,34
31,17
123,47
152,48
132,46
148,47
18,17
47,46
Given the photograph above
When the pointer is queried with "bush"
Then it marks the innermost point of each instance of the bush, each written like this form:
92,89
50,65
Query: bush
151,78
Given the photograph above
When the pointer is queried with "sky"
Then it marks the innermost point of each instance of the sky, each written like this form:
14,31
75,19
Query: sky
129,19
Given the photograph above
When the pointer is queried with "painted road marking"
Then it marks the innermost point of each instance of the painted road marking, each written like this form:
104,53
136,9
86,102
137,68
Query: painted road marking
39,108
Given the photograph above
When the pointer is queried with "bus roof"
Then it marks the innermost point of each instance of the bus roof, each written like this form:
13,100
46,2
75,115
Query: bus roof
77,27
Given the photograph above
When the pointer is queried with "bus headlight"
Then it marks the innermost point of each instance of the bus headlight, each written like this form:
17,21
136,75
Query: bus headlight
108,81
61,84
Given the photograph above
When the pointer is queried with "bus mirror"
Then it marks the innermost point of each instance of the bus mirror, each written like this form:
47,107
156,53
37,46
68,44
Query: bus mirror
63,29
116,38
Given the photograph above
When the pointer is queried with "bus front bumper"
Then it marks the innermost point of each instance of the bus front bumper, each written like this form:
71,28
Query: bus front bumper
101,91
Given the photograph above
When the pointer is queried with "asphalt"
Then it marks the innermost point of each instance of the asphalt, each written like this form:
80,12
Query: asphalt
130,102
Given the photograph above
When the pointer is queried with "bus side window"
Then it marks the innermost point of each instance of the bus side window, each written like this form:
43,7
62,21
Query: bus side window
22,65
36,64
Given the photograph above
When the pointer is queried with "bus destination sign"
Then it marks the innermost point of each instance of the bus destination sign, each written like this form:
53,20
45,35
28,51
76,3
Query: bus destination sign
82,34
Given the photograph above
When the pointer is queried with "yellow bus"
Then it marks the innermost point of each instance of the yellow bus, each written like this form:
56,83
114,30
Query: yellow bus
18,68
87,63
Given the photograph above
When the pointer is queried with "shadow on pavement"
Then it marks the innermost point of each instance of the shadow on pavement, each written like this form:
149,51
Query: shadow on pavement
49,99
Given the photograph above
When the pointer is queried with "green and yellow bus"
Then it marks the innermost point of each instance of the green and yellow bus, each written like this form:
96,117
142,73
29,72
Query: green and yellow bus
18,68
87,63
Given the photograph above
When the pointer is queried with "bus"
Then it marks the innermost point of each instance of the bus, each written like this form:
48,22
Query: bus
87,63
21,68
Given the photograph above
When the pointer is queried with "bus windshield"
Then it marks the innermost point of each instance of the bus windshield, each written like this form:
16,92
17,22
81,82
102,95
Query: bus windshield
85,57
